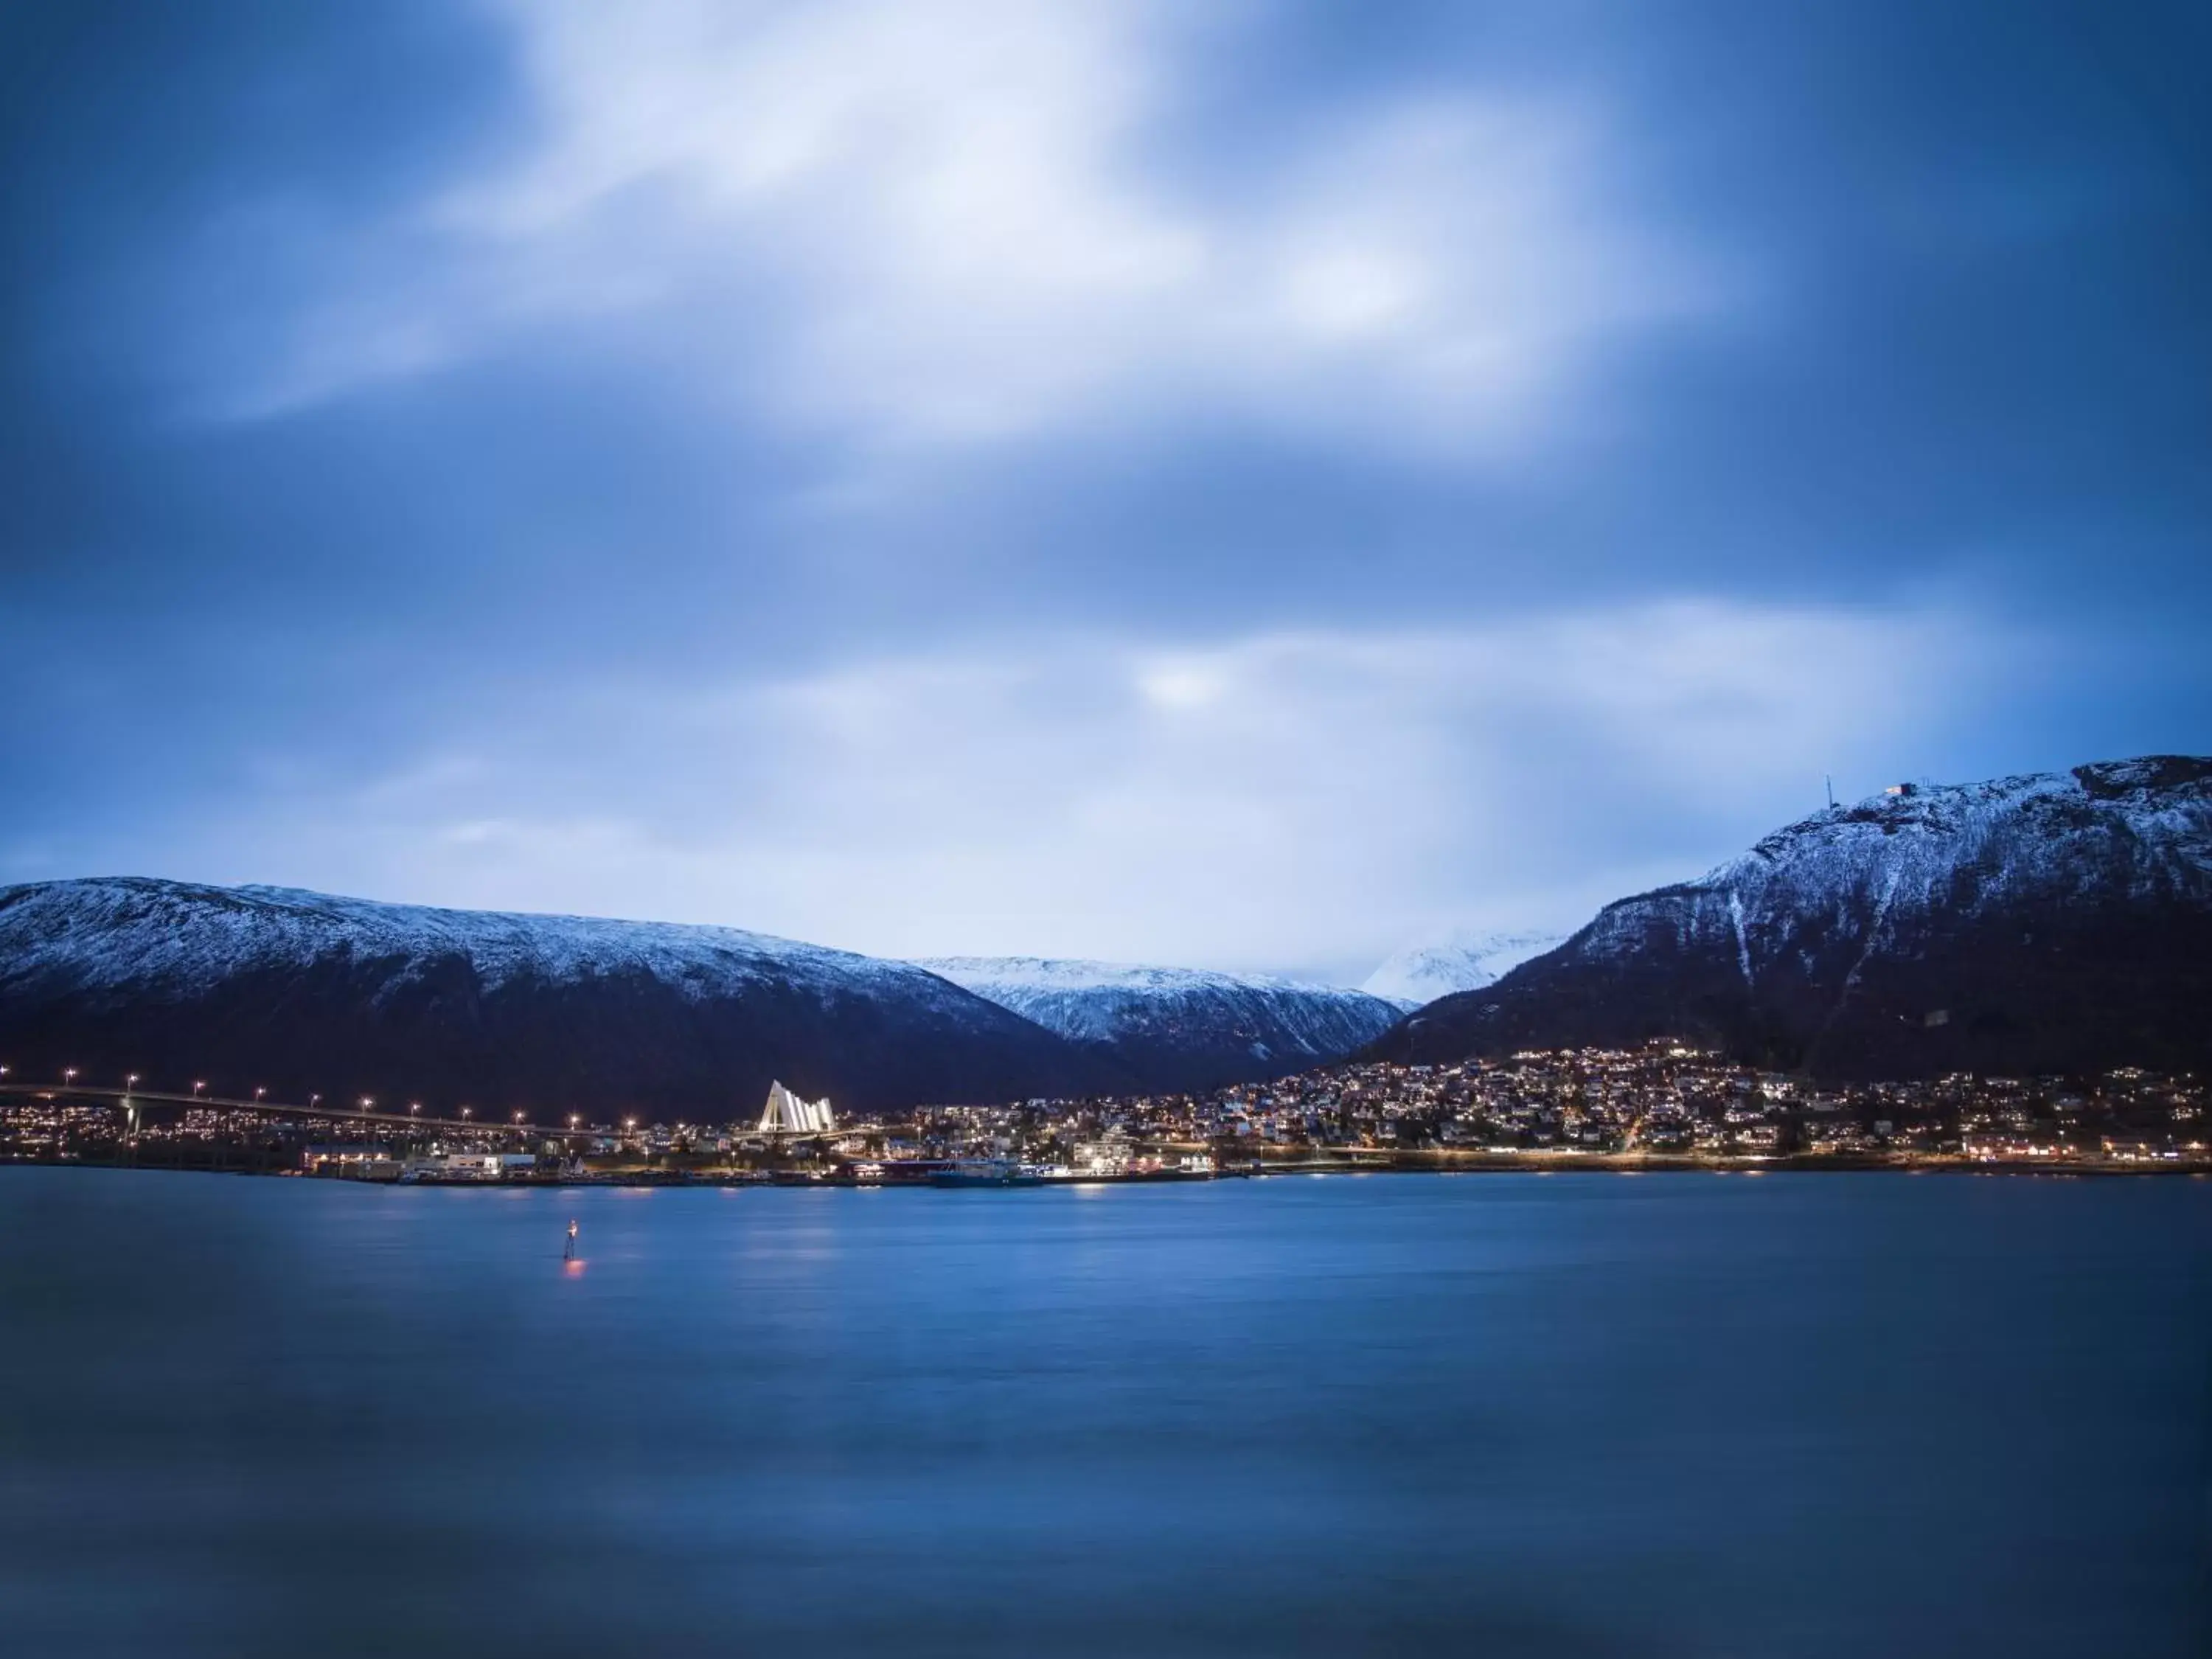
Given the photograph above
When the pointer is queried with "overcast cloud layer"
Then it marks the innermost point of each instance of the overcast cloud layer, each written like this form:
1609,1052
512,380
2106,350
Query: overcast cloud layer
1249,486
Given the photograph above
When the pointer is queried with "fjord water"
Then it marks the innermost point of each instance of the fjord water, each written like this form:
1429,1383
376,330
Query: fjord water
1576,1416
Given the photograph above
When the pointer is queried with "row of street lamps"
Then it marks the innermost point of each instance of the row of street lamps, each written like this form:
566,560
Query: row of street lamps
368,1101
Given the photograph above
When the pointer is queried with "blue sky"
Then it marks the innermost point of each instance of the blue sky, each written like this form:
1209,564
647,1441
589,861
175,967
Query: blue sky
1253,486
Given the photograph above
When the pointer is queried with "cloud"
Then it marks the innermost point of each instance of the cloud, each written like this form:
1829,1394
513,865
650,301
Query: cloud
958,222
1306,801
961,476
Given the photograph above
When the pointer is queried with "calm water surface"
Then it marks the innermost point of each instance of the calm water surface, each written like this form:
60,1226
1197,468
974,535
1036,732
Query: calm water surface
1853,1415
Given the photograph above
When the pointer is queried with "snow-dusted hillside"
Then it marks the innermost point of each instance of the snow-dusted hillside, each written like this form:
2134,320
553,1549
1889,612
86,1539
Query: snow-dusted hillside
2051,920
1882,874
1421,974
337,994
119,934
1178,1028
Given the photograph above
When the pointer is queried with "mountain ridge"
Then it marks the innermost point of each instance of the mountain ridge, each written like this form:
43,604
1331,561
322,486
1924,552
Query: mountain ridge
2044,921
316,992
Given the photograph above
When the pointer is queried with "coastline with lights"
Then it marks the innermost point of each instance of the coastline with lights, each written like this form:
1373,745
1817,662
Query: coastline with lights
1662,1106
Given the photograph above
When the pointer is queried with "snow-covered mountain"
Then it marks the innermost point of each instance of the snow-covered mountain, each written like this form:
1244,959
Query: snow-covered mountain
1178,1028
1465,961
2054,922
301,992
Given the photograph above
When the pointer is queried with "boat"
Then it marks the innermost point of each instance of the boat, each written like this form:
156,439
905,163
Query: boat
983,1172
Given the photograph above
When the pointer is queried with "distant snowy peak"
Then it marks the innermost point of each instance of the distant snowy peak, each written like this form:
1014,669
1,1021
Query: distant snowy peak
1043,975
1178,1022
1466,962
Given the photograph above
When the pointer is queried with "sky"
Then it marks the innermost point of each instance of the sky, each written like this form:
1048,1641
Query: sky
1249,486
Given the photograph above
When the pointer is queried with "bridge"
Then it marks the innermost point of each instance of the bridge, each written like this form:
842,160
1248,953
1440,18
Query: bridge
132,1099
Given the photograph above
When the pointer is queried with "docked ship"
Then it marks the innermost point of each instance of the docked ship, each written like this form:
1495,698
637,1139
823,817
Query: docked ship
983,1172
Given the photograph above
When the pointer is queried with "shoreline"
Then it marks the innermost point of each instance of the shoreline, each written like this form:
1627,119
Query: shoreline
1371,1164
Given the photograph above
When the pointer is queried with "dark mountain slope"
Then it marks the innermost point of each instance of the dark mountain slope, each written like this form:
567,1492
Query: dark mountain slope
301,992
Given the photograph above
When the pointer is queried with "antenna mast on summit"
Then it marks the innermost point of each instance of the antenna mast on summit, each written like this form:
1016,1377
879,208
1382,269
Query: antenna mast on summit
1831,782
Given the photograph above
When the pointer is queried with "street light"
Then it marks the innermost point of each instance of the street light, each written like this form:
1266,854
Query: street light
468,1111
260,1094
198,1087
315,1100
129,1080
68,1074
413,1107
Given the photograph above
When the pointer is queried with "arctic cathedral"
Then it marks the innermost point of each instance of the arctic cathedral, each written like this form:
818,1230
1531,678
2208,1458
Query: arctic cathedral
786,1113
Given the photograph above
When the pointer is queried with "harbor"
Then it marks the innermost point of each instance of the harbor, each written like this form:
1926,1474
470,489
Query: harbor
1661,1107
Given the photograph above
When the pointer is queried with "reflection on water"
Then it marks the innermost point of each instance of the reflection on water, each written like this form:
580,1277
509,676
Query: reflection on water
1577,1416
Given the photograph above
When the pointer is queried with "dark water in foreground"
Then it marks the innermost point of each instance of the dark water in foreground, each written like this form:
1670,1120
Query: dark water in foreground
1856,1415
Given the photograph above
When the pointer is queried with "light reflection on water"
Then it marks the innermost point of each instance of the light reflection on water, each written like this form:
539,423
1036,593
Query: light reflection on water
1568,1415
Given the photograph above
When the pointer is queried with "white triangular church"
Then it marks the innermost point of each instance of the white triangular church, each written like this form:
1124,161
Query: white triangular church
786,1113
